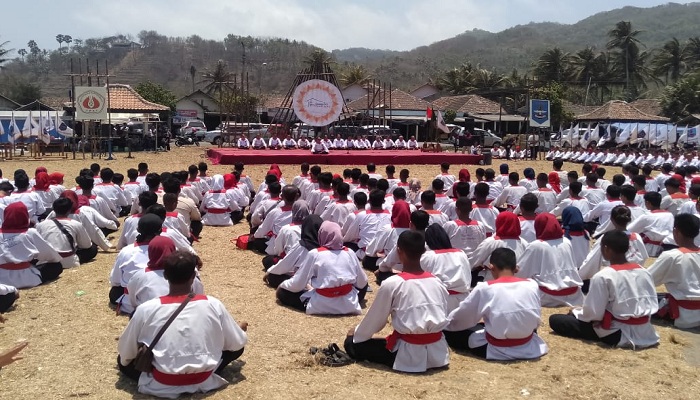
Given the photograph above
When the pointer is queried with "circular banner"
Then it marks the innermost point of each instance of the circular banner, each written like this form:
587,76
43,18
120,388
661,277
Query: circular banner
317,102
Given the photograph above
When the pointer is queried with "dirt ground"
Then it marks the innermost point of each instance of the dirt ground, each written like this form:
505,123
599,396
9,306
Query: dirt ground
73,333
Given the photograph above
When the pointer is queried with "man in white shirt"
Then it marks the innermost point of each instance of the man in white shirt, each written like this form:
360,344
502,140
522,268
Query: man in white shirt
319,147
388,143
412,144
259,143
400,143
378,144
602,210
289,143
274,143
338,142
303,143
243,142
67,235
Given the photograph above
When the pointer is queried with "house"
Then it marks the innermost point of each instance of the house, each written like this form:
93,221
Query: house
487,114
194,106
395,108
648,106
426,91
618,111
353,92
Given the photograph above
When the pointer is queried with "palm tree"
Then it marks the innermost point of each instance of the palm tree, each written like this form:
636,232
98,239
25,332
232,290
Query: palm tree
624,38
193,72
4,53
218,80
317,61
59,39
22,53
584,66
484,79
669,61
691,52
458,80
553,66
604,74
357,74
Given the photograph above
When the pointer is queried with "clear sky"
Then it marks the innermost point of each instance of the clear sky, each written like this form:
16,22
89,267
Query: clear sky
330,24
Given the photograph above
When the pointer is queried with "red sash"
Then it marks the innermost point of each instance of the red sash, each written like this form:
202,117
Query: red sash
559,293
412,338
675,305
181,379
15,267
507,342
608,318
646,240
217,210
335,291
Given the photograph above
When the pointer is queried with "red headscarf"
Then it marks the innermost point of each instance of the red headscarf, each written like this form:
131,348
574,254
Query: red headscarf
507,226
275,170
547,227
464,175
42,182
229,181
680,180
400,215
158,249
55,178
40,169
695,181
16,218
73,197
555,182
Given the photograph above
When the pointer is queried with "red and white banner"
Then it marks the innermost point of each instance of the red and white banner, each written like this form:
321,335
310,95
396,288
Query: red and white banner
91,103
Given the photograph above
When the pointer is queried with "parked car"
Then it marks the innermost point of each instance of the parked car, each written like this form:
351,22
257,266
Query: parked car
346,131
194,125
214,137
485,138
565,139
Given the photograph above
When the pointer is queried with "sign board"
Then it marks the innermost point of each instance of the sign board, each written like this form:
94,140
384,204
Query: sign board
317,102
539,114
187,113
91,103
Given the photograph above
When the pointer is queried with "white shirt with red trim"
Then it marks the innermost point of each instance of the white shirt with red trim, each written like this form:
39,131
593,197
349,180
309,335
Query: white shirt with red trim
264,208
527,228
626,291
218,207
287,239
452,267
656,228
113,194
441,200
271,225
148,284
384,241
486,214
103,208
480,257
510,308
130,259
35,206
417,304
510,196
129,232
365,226
495,189
593,195
291,262
673,202
689,207
550,263
132,190
338,211
448,179
260,196
299,179
546,200
679,270
580,202
46,197
192,193
465,236
210,331
175,221
327,269
437,217
601,212
24,247
635,211
594,262
201,185
58,240
92,221
315,196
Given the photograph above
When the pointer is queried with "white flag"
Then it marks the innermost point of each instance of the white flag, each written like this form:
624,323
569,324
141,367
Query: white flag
624,136
441,123
62,128
605,137
28,128
672,135
13,131
45,128
574,135
634,135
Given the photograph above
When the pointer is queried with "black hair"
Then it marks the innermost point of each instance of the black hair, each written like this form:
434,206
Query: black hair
6,187
270,179
289,193
461,189
376,198
593,178
412,244
169,197
62,206
343,189
445,166
179,267
667,167
503,258
372,183
371,167
132,173
621,215
275,189
364,179
147,199
542,177
85,182
399,193
95,168
304,167
355,174
616,241
600,171
171,185
628,192
633,170
383,184
143,167
347,173
513,177
481,190
153,181
639,180
574,188
428,197
694,190
158,210
360,200
687,224
613,191
192,170
646,169
557,164
489,174
390,169
22,181
619,179
672,182
464,204
118,179
315,170
420,219
325,178
572,175
654,198
202,166
438,185
107,175
239,166
529,202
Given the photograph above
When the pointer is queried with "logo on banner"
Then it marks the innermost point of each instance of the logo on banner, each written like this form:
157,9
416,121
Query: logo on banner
91,103
539,114
641,134
317,102
692,132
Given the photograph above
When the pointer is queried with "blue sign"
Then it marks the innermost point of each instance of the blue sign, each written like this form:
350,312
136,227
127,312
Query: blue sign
539,114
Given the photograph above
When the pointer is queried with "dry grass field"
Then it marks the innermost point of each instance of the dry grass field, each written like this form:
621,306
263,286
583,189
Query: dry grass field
73,334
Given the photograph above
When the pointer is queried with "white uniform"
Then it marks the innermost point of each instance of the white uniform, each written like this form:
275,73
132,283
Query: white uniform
243,143
594,195
338,211
656,229
274,142
289,143
452,267
130,259
579,202
465,236
482,254
384,241
218,207
551,265
287,239
35,207
201,185
546,200
527,228
291,261
623,292
92,221
272,224
594,262
113,194
486,214
17,251
412,144
365,227
175,221
448,179
417,305
102,207
259,143
673,202
46,197
679,270
147,284
212,330
58,240
437,217
328,270
510,308
319,148
510,197
602,212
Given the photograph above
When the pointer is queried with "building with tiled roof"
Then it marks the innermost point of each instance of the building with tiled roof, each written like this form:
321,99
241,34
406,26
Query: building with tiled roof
123,98
618,110
397,99
468,104
648,106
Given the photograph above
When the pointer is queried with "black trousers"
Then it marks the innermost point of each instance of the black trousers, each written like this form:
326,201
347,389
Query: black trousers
258,245
293,299
227,357
196,228
370,263
85,255
125,210
459,340
351,245
50,271
6,301
107,231
533,152
382,276
373,350
569,326
236,216
269,260
274,280
115,293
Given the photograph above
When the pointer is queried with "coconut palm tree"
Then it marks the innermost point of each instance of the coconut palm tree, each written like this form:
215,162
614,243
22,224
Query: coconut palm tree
553,66
356,74
584,66
624,38
458,80
217,81
669,61
317,60
4,53
691,52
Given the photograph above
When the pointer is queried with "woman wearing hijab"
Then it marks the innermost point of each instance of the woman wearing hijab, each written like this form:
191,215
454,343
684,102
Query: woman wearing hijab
573,225
450,265
288,236
338,282
463,176
56,183
149,283
276,172
287,266
26,259
385,239
529,180
507,235
555,181
414,191
549,262
43,192
130,259
217,205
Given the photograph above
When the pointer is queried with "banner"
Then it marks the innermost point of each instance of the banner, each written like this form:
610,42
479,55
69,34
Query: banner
317,102
91,103
539,114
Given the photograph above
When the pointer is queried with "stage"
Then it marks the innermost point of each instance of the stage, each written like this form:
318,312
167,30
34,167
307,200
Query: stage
229,156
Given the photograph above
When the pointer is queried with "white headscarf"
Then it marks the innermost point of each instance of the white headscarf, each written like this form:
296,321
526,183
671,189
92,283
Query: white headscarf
217,182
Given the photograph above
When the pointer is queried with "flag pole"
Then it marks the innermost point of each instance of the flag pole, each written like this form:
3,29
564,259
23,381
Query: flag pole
109,116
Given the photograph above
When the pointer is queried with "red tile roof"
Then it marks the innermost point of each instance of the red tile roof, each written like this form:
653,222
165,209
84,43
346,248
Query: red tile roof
400,100
648,106
618,110
125,98
470,104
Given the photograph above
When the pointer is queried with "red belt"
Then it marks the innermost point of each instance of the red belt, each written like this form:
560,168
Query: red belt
562,292
675,305
181,379
453,292
577,233
335,291
65,254
507,342
646,240
126,291
217,210
15,267
608,318
412,338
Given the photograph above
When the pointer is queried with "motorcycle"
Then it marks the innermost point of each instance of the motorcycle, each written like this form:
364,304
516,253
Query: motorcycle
188,139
